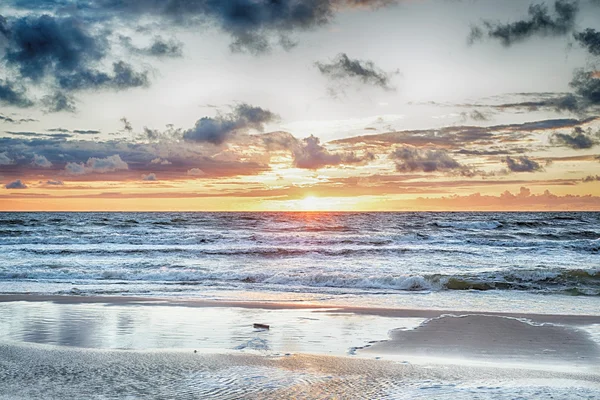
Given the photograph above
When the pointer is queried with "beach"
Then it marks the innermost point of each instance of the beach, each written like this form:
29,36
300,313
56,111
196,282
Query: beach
110,347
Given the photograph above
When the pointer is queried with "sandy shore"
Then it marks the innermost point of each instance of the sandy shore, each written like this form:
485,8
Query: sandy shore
114,347
485,338
34,372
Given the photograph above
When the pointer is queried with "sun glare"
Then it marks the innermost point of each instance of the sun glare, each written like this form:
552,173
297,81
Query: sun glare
312,203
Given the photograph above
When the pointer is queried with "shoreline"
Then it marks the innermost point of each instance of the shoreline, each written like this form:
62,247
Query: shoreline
173,348
568,319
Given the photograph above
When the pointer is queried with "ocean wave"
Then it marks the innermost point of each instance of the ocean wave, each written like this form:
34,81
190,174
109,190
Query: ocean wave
581,281
472,225
568,281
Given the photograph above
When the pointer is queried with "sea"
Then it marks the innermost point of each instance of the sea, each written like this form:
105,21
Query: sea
544,262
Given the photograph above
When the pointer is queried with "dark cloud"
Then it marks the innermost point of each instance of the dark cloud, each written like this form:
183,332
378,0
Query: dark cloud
522,164
310,154
254,26
52,182
149,177
40,134
159,47
12,94
62,130
16,185
5,159
126,125
46,45
590,39
17,154
123,77
578,139
558,102
591,178
345,68
587,85
475,115
540,22
222,127
566,102
16,120
61,52
58,102
86,132
457,137
411,159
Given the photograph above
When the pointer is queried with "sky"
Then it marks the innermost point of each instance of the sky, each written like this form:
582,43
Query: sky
289,105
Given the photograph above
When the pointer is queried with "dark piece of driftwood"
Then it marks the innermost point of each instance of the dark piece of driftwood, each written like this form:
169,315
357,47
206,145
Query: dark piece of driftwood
261,326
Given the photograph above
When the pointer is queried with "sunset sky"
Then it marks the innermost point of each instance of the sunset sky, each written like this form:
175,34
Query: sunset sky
299,105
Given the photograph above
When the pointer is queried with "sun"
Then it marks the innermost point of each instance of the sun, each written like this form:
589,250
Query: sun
312,203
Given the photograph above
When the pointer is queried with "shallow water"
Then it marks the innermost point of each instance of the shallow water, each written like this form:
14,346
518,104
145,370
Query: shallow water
115,326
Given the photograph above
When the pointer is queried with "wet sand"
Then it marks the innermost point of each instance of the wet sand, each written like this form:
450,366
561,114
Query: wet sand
35,372
114,347
492,338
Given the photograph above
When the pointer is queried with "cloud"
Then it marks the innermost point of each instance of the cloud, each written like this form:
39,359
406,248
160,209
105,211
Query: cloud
254,26
5,159
87,132
310,154
97,165
126,125
579,139
539,23
590,40
13,95
457,137
40,134
59,101
195,172
149,177
411,159
123,77
52,182
591,178
522,164
61,53
46,45
475,115
219,129
159,47
365,72
559,103
181,155
587,85
523,200
16,121
160,161
16,185
75,168
40,161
